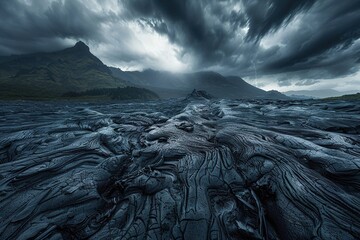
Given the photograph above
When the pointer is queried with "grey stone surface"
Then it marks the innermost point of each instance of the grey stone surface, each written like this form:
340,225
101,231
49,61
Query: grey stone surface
180,170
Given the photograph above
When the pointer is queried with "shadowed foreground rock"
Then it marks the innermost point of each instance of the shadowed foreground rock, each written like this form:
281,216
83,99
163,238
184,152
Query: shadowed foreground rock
180,170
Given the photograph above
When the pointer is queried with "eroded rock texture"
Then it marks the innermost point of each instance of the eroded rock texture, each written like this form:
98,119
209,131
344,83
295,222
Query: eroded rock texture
180,170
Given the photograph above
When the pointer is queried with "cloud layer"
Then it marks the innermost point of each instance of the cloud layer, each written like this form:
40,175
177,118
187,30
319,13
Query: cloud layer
290,42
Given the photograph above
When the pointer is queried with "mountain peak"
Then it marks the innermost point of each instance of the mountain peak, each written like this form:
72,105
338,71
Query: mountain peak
80,45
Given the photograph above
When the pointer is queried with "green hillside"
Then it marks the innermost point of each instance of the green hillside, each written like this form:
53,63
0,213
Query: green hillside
50,75
126,93
351,97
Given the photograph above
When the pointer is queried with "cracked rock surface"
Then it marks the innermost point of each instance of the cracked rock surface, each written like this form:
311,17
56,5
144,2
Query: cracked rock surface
209,169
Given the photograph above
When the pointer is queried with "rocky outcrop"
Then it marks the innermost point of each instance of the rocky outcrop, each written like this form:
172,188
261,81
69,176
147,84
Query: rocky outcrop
198,95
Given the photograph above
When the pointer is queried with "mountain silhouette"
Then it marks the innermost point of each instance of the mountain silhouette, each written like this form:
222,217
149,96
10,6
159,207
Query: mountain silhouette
76,73
54,74
173,85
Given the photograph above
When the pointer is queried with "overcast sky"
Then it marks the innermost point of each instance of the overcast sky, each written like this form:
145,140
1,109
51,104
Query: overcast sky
273,44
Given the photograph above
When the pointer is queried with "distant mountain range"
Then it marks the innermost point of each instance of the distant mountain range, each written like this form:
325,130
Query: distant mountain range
172,85
349,97
76,73
323,93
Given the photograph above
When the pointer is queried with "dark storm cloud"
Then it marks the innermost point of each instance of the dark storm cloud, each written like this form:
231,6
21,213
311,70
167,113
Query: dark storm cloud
265,16
28,26
306,82
210,31
302,39
197,26
325,41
